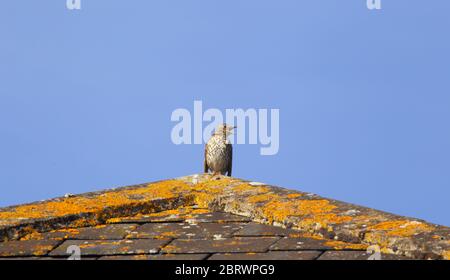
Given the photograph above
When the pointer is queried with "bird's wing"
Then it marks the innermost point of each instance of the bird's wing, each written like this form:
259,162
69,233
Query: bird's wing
205,164
230,158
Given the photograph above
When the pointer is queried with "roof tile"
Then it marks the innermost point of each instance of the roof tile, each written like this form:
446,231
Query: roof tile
271,255
228,245
111,247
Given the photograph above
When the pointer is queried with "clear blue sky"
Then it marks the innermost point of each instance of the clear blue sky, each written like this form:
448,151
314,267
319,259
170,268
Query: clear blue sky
364,96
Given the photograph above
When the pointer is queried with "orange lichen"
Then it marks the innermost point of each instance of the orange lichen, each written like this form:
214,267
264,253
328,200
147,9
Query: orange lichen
83,222
82,204
42,250
100,226
244,187
322,220
179,211
170,248
203,199
182,212
273,207
403,228
279,210
262,198
293,195
33,236
168,234
306,235
88,245
446,255
340,245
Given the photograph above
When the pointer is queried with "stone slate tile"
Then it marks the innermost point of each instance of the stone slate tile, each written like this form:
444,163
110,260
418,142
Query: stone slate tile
150,218
271,255
20,259
227,245
356,255
344,255
191,216
27,247
218,217
174,215
299,243
158,257
112,247
102,232
256,229
185,230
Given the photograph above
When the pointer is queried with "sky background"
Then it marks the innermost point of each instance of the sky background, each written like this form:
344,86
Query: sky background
364,96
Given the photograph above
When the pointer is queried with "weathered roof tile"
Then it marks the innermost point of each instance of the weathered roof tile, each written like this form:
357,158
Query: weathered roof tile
27,247
111,247
185,230
100,232
271,255
180,257
257,229
356,255
228,245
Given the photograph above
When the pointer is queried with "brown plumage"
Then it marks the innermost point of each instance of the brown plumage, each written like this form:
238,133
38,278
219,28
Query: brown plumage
219,152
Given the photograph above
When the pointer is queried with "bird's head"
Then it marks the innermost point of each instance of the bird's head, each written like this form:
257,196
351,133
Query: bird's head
224,129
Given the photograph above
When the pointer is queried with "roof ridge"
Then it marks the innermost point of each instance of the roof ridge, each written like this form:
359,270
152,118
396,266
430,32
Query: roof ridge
310,213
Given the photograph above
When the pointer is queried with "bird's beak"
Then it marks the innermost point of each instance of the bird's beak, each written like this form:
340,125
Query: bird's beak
231,128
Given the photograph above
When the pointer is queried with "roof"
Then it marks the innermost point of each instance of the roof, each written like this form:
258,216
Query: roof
195,217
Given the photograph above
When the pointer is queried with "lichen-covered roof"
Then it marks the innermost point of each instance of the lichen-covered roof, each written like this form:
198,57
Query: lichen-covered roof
196,217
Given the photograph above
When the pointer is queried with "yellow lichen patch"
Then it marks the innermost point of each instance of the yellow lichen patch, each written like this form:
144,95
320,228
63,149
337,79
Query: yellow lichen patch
168,234
72,231
162,189
205,192
203,199
340,245
306,235
83,222
446,255
223,182
182,212
67,233
120,219
403,228
100,226
87,245
82,204
279,210
262,198
42,250
179,211
197,212
33,236
322,220
170,248
293,195
244,187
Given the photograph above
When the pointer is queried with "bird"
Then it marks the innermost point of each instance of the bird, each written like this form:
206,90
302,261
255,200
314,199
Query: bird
219,151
